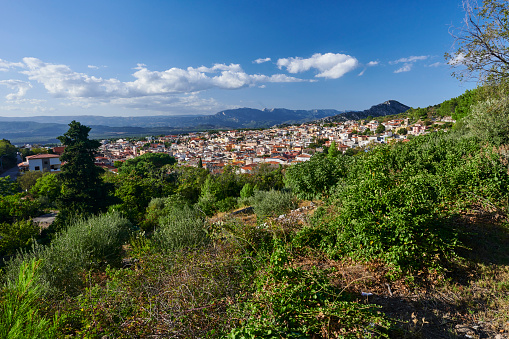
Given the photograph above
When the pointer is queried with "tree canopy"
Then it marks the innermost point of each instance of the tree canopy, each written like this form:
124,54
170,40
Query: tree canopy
483,41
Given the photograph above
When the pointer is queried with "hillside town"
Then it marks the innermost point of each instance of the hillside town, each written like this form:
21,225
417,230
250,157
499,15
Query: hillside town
245,149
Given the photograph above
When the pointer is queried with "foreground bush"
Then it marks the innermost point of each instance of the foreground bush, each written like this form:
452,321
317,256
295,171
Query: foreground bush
290,302
83,245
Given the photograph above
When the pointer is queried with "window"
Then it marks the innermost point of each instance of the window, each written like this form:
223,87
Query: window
37,168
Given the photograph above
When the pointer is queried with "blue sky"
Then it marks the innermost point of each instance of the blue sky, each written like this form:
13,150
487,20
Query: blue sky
199,57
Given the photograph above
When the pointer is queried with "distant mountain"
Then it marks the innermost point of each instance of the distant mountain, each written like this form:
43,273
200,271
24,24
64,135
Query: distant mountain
232,118
39,130
390,107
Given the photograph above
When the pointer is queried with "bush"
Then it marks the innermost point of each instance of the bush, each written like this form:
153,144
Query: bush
16,236
272,203
290,302
83,245
181,227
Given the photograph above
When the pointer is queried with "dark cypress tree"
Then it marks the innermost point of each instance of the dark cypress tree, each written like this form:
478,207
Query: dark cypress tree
83,191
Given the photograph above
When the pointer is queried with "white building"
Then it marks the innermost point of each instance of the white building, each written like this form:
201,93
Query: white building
44,162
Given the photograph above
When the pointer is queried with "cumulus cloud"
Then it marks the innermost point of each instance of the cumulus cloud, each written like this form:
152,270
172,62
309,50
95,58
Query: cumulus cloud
21,88
330,65
261,60
93,67
61,81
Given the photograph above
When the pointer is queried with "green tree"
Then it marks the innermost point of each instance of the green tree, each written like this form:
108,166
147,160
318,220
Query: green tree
333,150
83,191
8,187
28,179
483,42
148,164
48,187
380,129
7,154
402,131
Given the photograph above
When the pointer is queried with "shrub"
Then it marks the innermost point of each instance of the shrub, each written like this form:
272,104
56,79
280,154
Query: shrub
290,302
181,227
272,203
17,235
85,244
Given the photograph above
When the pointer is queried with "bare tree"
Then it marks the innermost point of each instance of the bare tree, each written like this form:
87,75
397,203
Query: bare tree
482,44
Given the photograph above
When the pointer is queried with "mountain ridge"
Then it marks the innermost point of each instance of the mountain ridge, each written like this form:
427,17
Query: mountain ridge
45,129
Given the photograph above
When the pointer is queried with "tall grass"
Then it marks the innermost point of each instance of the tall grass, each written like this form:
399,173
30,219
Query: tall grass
19,316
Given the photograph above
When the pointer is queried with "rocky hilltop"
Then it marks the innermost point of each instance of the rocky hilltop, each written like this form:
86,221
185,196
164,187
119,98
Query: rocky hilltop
389,107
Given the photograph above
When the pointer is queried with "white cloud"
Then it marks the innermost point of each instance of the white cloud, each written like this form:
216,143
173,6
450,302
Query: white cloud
6,65
459,59
261,60
93,67
61,81
410,59
373,63
330,65
436,64
404,68
20,86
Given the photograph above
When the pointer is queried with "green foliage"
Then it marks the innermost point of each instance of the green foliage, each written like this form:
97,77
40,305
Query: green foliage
19,314
189,181
402,131
182,226
47,188
134,195
247,191
84,245
290,302
17,207
489,121
148,164
7,186
394,202
16,236
159,207
265,177
217,188
272,203
333,150
7,154
380,129
83,191
28,179
316,177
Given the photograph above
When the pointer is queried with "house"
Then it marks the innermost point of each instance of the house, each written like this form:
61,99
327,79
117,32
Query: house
44,162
